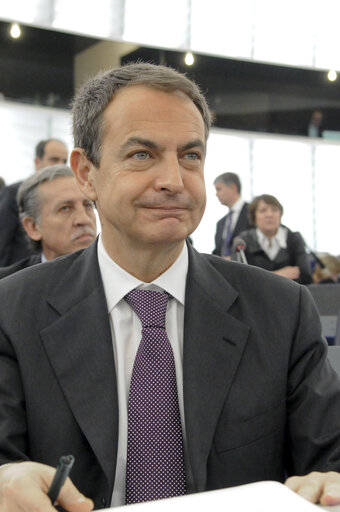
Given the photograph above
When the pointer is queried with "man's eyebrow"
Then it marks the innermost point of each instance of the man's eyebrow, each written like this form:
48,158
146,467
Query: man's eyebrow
64,202
197,143
137,141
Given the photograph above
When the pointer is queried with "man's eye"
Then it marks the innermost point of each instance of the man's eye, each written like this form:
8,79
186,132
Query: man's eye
141,155
192,156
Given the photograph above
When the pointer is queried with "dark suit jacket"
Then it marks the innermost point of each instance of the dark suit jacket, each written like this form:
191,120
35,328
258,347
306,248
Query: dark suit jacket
13,242
242,224
20,265
295,255
260,399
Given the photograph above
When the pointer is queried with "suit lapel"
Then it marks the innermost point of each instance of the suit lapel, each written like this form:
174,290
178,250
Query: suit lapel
79,347
214,341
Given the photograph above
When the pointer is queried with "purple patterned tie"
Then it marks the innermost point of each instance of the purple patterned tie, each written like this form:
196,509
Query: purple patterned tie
155,461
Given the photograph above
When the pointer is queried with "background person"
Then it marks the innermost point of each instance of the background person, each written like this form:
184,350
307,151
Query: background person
56,216
330,272
228,191
272,246
315,126
13,244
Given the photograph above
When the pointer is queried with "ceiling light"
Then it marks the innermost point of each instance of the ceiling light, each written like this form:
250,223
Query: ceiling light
332,75
15,30
189,59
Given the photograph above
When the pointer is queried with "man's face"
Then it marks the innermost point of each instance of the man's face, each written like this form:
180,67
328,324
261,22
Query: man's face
67,220
55,153
149,187
225,193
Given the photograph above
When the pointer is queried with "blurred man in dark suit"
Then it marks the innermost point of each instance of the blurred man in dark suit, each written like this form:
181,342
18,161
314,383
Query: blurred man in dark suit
56,216
13,246
228,191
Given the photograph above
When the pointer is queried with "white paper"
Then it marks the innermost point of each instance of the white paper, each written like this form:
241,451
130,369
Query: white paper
257,497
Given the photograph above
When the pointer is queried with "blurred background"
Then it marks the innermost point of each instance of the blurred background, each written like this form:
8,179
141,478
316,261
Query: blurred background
268,68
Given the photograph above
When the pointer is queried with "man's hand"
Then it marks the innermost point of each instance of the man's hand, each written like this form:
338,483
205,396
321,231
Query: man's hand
317,487
24,487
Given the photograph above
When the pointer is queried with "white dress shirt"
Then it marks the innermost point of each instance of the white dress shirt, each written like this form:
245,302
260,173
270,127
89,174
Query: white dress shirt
272,246
126,335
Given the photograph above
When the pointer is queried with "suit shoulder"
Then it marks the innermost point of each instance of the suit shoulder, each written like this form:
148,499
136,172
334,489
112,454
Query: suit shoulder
10,191
38,276
222,220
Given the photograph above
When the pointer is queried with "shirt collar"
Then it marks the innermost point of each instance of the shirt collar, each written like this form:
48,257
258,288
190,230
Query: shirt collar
117,282
280,237
237,207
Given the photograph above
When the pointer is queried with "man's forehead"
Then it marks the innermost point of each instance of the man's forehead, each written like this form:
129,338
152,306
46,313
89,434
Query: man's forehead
149,89
60,185
147,112
54,145
140,98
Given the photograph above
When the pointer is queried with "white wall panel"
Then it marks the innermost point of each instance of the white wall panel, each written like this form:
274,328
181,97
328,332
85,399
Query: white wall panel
284,32
327,202
156,23
224,28
283,168
21,128
294,32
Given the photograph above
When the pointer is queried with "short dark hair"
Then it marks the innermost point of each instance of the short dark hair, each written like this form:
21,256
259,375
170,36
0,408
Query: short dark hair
28,199
266,198
229,178
93,98
40,147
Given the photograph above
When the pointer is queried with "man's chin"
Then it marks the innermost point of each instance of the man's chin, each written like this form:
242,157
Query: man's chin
167,237
82,244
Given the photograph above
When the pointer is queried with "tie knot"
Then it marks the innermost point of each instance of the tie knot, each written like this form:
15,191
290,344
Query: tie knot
149,306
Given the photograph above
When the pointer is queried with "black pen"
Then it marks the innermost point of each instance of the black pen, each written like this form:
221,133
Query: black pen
63,470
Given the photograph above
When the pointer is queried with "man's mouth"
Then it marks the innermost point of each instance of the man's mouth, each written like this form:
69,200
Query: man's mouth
84,234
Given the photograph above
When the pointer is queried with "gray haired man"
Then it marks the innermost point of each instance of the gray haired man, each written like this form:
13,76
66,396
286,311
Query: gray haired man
56,216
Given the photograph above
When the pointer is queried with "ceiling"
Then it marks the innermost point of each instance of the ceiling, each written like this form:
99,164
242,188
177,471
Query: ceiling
38,68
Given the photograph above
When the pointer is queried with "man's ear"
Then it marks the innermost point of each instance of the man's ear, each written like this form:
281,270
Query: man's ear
31,228
83,170
37,163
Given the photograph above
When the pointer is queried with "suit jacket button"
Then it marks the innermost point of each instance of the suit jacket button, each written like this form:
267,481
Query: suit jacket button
103,502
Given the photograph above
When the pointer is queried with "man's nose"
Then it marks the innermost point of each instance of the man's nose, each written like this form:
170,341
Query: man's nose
169,176
82,217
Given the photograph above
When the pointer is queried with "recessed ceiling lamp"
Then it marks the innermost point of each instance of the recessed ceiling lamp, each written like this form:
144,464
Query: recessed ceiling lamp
332,75
15,30
189,59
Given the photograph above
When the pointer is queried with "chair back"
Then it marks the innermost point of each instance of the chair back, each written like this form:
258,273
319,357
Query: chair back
327,300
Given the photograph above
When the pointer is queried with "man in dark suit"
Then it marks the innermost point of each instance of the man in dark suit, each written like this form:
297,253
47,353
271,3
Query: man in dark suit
56,216
255,396
13,245
228,191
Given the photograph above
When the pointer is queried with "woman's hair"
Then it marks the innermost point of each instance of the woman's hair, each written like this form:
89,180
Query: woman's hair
266,198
